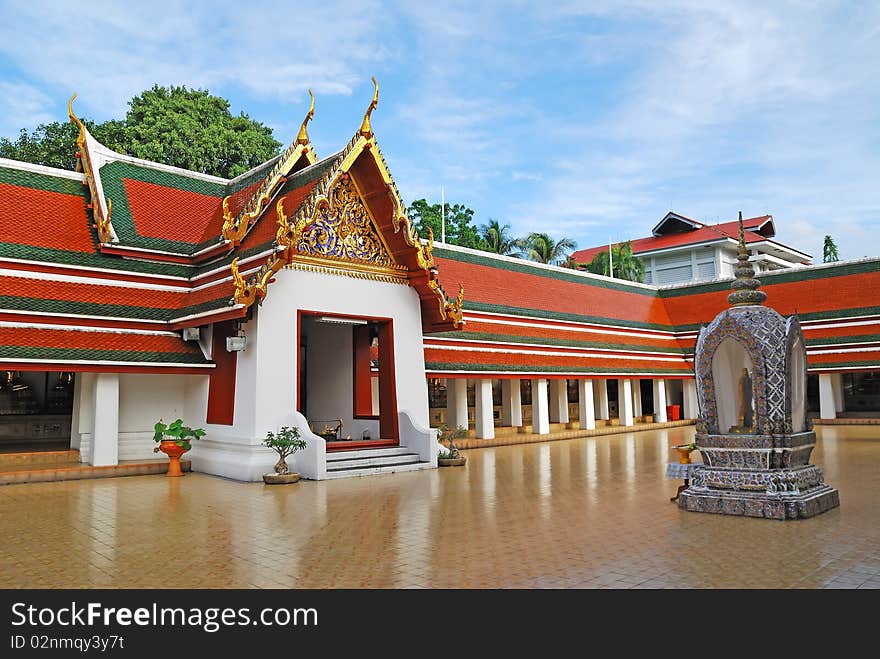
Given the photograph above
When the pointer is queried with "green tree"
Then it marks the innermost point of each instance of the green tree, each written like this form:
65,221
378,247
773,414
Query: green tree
460,229
54,144
497,239
542,248
176,126
626,265
829,251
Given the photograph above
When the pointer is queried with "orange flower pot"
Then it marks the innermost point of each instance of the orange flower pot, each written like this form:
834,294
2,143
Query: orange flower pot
173,451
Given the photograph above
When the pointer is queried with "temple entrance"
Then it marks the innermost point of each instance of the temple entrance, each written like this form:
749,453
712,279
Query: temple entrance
35,410
346,383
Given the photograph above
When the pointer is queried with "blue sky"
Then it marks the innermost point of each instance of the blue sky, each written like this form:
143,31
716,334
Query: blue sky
584,119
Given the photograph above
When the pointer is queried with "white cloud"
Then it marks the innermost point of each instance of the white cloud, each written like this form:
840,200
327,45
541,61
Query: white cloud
21,105
109,51
736,106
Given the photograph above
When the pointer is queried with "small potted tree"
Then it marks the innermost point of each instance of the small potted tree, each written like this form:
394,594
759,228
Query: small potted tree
285,443
174,440
450,457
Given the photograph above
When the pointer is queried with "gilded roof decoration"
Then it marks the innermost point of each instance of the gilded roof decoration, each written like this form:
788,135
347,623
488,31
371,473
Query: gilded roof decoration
366,130
425,255
343,230
235,227
332,230
254,289
102,219
303,135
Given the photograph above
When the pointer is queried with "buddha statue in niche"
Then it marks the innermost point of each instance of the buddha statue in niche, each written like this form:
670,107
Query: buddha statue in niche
746,416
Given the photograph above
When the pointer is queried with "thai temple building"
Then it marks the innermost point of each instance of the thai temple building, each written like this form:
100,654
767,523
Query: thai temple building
299,294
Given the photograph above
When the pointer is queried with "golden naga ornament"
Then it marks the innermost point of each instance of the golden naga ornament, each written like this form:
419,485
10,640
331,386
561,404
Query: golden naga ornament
254,290
453,307
287,234
103,224
425,253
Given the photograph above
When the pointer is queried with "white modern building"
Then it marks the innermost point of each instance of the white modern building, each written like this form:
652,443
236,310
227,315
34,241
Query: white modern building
682,250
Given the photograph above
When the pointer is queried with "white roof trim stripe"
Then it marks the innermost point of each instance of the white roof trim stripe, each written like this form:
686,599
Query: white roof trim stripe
42,169
88,328
110,155
104,363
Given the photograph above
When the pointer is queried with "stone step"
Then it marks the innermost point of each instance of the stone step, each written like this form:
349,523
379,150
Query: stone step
372,461
67,471
372,471
37,457
335,456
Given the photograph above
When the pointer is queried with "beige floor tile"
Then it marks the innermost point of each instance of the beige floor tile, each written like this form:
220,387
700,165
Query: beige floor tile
582,513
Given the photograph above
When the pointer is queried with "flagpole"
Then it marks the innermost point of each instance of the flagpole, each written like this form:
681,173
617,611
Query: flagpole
610,260
442,216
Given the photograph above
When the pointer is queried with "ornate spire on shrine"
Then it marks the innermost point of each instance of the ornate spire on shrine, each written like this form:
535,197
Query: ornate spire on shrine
745,286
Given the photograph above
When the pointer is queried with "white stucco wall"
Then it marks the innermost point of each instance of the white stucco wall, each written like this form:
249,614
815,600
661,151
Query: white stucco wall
265,394
144,398
331,378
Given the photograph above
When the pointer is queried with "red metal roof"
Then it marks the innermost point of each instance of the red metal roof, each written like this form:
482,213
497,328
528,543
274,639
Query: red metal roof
706,234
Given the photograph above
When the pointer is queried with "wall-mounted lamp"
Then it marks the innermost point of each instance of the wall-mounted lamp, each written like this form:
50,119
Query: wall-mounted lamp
236,343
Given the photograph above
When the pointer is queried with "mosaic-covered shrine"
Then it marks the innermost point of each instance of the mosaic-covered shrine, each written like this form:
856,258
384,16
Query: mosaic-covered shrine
753,432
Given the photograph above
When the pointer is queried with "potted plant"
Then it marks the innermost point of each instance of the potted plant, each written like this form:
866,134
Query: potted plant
285,443
174,441
450,457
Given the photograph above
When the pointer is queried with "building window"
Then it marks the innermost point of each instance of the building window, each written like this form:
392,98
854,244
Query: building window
436,392
861,392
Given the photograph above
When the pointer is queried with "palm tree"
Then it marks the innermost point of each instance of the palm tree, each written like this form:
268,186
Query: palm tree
497,239
626,265
829,251
542,248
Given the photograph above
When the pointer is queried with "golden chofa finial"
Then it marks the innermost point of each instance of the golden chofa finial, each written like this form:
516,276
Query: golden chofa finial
73,118
303,136
81,137
366,129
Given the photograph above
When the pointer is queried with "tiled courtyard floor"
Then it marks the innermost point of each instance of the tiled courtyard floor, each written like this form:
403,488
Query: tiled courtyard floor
582,513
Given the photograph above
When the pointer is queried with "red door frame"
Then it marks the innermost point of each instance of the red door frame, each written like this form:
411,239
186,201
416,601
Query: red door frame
388,428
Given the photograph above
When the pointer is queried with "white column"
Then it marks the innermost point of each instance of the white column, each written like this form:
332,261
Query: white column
625,402
837,387
827,408
558,401
74,418
585,404
511,403
660,400
540,416
689,399
484,416
105,440
637,397
600,399
456,403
